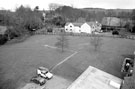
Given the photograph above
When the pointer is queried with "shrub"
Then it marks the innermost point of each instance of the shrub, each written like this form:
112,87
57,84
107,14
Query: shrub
33,23
3,39
20,22
115,32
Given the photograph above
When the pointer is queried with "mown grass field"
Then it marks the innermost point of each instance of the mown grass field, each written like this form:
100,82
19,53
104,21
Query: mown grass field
18,62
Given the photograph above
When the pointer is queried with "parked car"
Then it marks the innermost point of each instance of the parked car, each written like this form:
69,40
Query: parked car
38,80
44,72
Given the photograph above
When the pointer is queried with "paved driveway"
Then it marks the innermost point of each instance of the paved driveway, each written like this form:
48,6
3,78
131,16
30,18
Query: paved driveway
55,83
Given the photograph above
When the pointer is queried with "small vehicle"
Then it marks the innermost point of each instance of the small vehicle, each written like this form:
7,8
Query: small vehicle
44,72
38,80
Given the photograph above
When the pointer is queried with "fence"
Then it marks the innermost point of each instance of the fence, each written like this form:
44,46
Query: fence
84,35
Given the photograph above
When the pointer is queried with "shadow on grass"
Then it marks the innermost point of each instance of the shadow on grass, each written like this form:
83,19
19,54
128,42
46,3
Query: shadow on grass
128,56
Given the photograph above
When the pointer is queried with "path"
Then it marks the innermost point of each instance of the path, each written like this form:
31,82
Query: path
67,58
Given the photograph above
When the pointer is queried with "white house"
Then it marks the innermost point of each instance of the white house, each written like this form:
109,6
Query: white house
96,27
73,27
87,27
77,29
69,27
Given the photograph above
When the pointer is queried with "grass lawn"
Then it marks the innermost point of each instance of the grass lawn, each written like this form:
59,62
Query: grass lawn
18,62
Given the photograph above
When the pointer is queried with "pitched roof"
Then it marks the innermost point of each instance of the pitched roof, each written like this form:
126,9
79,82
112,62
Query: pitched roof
77,24
112,21
67,23
74,23
91,23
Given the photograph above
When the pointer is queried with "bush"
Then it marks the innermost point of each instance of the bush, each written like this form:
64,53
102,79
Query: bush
11,33
49,29
133,29
59,21
20,22
33,23
115,32
3,39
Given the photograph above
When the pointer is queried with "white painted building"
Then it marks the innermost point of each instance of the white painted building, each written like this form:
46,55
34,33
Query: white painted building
69,27
77,29
87,27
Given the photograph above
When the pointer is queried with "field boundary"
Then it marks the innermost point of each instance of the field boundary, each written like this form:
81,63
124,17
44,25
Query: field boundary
86,35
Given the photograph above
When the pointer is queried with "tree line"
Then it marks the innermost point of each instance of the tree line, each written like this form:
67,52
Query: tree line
25,20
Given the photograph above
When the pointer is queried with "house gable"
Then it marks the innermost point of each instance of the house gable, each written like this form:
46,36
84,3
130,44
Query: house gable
69,27
86,28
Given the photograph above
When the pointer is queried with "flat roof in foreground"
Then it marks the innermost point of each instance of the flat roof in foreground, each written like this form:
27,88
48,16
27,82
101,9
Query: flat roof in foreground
93,78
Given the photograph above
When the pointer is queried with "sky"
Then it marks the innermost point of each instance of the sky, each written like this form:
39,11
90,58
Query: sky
43,4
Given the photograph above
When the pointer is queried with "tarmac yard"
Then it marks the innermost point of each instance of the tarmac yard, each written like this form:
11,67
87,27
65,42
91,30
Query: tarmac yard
55,83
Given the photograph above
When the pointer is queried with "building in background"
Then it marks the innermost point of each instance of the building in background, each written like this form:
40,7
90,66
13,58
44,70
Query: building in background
87,27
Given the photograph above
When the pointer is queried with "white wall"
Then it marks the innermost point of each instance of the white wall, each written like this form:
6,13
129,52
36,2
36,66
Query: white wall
69,28
86,28
77,29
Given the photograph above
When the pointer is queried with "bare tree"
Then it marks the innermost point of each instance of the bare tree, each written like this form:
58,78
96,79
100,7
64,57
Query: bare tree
62,42
110,15
53,6
81,19
36,8
96,42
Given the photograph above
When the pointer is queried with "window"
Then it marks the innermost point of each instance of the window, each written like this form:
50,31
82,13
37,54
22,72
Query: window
70,26
70,29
